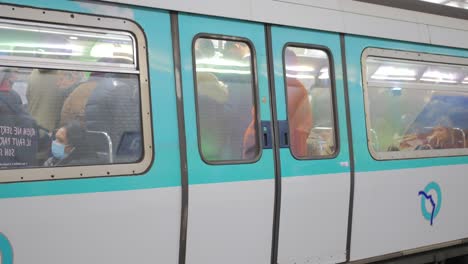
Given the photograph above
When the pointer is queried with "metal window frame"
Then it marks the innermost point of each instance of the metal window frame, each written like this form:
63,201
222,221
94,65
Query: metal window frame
64,19
255,94
334,110
407,56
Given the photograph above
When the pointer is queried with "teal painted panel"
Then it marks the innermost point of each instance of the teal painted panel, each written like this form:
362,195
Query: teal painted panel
290,166
199,171
165,171
364,161
66,5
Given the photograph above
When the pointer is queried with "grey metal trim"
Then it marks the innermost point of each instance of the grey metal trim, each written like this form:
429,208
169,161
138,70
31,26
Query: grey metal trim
275,143
407,56
333,96
109,143
420,6
419,86
182,140
350,145
431,253
45,16
255,90
62,65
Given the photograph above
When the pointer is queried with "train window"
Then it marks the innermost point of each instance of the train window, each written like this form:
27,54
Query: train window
71,101
66,117
66,46
416,108
308,85
225,100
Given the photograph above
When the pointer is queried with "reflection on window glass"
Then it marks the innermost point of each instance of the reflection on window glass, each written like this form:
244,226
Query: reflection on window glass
225,100
61,118
26,42
309,101
415,108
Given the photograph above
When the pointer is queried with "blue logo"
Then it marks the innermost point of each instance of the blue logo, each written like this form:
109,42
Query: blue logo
6,251
431,214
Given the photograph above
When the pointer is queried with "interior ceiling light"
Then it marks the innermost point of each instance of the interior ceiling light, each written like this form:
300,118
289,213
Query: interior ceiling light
437,76
394,73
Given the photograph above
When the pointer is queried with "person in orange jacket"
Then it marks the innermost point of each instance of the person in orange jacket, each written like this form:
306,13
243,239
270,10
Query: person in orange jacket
299,117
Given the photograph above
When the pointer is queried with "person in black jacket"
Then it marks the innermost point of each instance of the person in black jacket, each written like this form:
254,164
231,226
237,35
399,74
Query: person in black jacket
114,107
18,130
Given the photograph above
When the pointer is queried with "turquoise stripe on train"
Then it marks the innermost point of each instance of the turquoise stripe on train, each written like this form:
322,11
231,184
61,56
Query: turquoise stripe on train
165,171
364,162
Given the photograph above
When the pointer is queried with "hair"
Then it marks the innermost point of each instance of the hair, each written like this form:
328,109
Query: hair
75,133
6,73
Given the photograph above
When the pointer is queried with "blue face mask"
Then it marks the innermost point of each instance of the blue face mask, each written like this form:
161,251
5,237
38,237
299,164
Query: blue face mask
58,150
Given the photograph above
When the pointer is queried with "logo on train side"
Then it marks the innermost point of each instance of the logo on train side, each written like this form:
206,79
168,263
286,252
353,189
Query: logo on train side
6,250
431,201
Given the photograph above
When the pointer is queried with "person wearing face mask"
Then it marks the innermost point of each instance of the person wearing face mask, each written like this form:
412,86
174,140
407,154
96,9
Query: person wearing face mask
69,146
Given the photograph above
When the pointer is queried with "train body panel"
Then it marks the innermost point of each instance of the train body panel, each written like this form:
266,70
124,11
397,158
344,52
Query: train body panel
227,223
390,215
109,227
343,16
302,200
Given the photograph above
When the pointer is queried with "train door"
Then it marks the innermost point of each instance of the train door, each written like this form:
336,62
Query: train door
314,156
230,161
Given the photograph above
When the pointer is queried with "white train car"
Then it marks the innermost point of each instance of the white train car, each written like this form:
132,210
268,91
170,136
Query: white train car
206,131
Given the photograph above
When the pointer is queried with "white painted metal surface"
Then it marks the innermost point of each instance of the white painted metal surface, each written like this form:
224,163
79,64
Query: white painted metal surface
314,219
230,223
346,16
387,214
114,227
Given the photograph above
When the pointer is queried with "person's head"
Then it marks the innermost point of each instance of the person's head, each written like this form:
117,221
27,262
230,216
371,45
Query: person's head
236,50
67,139
204,48
68,78
290,58
8,76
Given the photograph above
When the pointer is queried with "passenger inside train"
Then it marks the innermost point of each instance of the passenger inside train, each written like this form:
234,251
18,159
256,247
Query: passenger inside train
58,117
70,147
225,98
416,106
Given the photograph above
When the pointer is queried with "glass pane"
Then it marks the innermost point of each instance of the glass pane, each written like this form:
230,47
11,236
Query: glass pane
225,100
309,100
62,118
34,41
416,108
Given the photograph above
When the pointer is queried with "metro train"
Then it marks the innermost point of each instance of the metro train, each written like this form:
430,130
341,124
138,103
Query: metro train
243,131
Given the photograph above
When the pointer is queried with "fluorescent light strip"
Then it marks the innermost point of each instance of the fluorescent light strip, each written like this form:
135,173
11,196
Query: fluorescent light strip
300,76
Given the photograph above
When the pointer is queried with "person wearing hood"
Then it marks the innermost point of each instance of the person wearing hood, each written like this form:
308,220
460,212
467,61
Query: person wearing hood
70,147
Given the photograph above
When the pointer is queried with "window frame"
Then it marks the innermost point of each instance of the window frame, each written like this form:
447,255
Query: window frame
331,64
255,96
92,23
408,56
